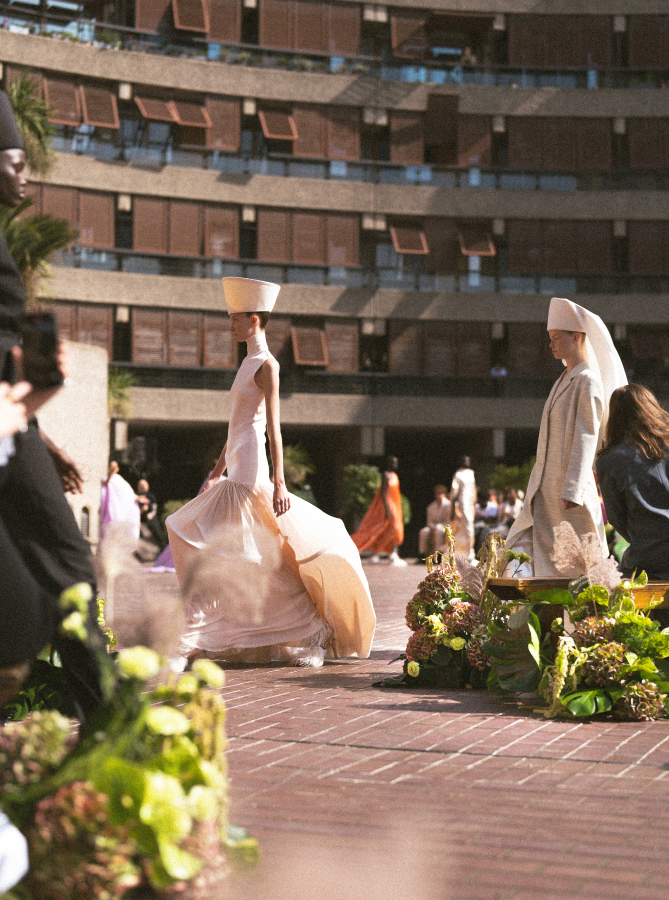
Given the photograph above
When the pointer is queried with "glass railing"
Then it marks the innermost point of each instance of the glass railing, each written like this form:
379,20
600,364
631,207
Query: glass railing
88,141
397,278
437,72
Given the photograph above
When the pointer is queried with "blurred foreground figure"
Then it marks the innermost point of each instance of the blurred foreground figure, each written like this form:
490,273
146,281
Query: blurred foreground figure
431,537
382,528
266,574
42,551
118,504
463,508
562,484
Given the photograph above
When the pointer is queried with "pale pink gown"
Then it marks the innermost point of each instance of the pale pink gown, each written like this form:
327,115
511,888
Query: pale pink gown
255,582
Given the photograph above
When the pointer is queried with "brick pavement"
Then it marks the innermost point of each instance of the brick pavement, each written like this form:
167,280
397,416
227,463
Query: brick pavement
360,793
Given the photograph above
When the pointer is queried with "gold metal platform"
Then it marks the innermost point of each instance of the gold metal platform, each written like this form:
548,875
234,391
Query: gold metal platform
510,589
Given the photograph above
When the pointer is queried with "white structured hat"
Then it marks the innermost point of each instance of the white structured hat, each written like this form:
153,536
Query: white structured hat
246,295
601,353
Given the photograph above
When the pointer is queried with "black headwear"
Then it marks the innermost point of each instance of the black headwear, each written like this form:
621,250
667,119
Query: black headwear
10,136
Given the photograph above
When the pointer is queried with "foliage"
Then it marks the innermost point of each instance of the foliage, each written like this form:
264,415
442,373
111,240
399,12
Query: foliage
32,241
119,405
406,509
169,507
361,482
45,688
296,466
505,477
132,797
32,117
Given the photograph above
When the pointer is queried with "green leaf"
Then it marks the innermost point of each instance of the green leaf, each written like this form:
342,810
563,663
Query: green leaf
555,595
596,593
125,785
533,645
164,808
177,862
587,703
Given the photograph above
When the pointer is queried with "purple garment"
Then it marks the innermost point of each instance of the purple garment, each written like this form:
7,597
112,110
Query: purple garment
118,506
165,563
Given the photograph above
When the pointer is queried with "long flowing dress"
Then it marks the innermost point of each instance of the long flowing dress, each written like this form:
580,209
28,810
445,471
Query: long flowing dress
118,506
254,582
376,532
464,498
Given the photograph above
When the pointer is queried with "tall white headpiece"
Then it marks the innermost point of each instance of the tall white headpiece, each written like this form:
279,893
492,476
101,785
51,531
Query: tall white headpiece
601,353
246,295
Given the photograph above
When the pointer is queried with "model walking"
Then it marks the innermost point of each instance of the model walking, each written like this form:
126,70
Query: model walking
266,575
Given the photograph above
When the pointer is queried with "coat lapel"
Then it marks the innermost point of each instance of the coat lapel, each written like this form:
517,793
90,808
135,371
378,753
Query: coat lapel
562,385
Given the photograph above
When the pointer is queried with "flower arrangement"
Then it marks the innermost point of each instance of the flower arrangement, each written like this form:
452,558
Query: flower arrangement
137,797
448,617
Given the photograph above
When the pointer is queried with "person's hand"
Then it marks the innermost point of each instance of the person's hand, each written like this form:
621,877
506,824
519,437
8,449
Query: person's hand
569,504
67,470
281,501
13,415
37,398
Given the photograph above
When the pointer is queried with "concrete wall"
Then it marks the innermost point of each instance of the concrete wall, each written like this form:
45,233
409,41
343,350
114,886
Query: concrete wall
76,420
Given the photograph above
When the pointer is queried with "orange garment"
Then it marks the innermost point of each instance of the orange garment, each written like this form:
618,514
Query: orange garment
376,532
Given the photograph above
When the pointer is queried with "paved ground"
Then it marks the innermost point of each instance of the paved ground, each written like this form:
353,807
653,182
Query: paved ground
360,793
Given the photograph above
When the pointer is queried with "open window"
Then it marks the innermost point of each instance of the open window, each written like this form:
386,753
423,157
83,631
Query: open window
279,126
191,114
191,15
155,110
99,107
62,98
475,240
409,240
310,347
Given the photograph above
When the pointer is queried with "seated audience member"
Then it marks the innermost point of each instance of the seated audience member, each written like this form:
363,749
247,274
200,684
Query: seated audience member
633,476
148,509
431,537
511,508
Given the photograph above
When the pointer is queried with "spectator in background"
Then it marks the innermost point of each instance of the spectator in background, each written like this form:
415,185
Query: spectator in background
148,511
463,508
119,504
431,537
382,528
633,475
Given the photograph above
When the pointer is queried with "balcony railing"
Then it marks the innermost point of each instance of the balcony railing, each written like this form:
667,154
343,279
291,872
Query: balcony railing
398,278
85,140
437,72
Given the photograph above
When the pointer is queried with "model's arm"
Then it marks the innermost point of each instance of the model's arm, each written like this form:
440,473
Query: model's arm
218,469
267,380
584,447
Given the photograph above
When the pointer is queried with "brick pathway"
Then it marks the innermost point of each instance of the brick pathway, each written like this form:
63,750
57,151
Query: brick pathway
360,793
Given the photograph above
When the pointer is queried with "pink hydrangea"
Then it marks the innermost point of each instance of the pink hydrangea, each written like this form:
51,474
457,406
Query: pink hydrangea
462,618
421,645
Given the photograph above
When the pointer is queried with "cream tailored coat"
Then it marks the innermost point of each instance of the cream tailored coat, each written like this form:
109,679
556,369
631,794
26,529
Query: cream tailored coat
568,441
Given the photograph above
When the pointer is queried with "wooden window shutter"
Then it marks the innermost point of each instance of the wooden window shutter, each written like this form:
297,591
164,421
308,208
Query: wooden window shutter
311,124
343,29
309,346
149,225
309,25
66,320
406,137
593,144
94,326
525,142
525,251
63,101
646,143
444,245
192,115
526,41
221,231
342,341
96,219
308,238
409,240
225,116
185,228
61,203
648,248
225,20
191,15
648,38
474,140
406,347
441,348
149,337
559,143
343,240
473,348
594,251
220,346
276,24
277,125
441,120
274,239
156,110
278,339
150,14
99,107
595,41
15,73
183,330
34,193
559,247
475,240
408,35
343,132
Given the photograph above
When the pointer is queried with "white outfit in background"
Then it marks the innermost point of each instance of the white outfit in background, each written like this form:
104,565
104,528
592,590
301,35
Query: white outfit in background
431,537
119,506
289,581
464,496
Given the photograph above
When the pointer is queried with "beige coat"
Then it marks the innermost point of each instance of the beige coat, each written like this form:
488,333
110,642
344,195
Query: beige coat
568,442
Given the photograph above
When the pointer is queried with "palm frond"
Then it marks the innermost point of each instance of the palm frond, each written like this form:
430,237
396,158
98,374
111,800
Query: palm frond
32,117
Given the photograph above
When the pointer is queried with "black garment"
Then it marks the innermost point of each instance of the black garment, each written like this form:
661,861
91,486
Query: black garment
635,491
12,307
153,523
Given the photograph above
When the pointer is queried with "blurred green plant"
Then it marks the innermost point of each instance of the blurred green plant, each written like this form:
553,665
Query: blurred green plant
505,477
119,383
32,117
361,482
